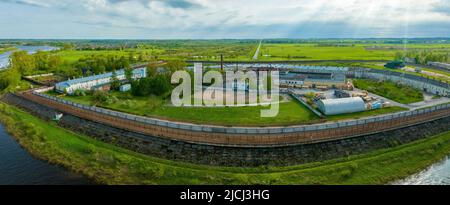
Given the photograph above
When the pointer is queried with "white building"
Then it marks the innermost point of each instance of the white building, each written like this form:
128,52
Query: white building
87,83
341,105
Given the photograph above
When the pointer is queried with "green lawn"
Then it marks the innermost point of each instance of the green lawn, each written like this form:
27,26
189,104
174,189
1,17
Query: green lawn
108,164
290,113
399,93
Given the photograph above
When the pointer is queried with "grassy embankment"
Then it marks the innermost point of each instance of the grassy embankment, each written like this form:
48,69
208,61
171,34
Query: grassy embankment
4,50
396,92
112,165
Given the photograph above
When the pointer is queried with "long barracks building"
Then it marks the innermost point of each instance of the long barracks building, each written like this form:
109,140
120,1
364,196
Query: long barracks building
87,83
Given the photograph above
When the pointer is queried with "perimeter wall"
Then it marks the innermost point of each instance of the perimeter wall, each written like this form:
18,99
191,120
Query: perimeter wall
240,146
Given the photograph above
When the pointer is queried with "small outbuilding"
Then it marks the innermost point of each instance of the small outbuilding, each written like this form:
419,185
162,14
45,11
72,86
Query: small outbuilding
125,88
341,105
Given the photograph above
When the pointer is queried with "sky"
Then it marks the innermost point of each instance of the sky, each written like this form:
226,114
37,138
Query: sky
223,19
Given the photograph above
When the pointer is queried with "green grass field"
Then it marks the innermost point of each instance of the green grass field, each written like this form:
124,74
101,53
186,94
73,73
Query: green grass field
71,56
290,113
211,50
108,164
380,66
4,50
269,51
341,51
316,52
243,51
390,90
199,50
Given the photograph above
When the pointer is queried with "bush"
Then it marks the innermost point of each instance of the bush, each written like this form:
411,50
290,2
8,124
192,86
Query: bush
79,93
9,79
157,85
128,104
104,97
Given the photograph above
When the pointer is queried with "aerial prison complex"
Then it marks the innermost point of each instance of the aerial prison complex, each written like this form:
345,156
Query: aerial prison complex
255,146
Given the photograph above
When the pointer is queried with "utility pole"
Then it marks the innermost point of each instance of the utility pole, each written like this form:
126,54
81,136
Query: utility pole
221,62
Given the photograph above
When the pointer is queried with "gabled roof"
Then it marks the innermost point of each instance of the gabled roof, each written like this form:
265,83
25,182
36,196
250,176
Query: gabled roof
95,77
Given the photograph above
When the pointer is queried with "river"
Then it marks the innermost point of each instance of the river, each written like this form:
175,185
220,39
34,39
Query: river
4,57
437,174
18,167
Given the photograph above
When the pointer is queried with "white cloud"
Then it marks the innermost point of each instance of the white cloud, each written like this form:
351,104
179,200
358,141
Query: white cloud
191,15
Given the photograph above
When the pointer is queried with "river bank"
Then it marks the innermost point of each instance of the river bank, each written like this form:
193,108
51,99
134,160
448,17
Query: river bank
112,165
436,174
18,167
4,56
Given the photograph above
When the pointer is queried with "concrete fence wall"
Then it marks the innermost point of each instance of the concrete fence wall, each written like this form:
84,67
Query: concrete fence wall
247,130
421,83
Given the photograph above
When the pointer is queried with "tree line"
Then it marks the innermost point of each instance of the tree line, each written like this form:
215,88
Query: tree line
22,64
156,83
424,56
